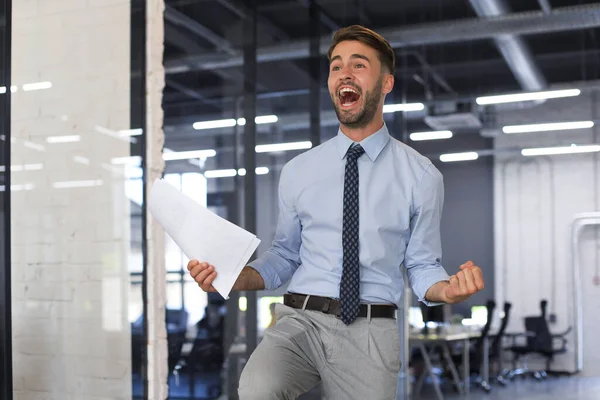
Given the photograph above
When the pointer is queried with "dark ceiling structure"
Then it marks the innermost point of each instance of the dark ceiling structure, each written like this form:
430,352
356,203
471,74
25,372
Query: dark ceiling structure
448,52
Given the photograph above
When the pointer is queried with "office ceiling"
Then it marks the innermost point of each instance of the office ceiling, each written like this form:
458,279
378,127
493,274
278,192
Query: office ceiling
445,50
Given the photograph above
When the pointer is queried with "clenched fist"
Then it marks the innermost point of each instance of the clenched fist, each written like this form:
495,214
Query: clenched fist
203,273
468,281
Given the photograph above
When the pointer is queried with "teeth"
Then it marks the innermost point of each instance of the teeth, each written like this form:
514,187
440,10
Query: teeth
346,89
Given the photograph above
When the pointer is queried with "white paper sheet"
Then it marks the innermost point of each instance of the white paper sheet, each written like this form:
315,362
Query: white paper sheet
202,235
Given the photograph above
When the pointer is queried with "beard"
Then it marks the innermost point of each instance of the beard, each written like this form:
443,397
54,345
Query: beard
367,111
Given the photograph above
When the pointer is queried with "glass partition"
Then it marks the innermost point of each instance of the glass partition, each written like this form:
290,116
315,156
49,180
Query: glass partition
77,236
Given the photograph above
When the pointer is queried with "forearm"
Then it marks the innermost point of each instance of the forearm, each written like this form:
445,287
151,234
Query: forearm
436,293
249,279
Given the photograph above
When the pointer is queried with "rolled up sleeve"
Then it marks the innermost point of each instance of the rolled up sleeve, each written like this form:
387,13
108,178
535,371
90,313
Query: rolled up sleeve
424,250
278,264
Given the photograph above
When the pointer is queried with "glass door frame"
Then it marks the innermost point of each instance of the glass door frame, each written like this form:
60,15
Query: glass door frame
6,383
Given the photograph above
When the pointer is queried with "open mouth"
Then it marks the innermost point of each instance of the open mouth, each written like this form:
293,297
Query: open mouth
348,96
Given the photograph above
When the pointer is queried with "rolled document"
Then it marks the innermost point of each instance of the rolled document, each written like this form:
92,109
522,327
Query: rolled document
202,235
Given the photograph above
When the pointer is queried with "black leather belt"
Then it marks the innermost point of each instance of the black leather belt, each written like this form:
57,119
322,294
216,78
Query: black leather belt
332,306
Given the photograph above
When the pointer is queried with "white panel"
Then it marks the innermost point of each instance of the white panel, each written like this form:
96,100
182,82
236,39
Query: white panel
71,331
536,199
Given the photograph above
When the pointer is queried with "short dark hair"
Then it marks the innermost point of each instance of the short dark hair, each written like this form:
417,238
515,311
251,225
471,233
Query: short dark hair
371,39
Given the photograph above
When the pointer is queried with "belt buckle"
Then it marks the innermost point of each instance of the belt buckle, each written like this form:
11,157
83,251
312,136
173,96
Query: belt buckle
326,305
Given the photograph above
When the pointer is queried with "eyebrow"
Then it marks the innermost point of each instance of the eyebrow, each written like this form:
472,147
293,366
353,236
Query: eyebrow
356,55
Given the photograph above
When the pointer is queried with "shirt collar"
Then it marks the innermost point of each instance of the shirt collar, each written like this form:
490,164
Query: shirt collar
372,144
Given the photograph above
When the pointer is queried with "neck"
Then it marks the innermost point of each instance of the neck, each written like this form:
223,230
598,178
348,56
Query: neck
359,134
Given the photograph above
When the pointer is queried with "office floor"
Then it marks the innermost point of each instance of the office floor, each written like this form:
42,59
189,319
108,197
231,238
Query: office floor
563,388
573,388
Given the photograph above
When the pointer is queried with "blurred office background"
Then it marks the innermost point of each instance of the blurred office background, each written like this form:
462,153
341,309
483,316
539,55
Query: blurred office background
100,97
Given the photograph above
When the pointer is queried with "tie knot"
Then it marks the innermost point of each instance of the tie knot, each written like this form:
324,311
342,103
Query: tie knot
355,151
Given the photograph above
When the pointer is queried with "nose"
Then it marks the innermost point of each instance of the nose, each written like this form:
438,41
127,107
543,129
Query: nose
346,74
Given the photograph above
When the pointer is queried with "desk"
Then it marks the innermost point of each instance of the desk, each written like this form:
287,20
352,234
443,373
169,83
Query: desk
443,340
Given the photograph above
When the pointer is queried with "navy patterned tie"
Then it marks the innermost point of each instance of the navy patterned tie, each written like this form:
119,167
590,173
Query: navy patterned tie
350,285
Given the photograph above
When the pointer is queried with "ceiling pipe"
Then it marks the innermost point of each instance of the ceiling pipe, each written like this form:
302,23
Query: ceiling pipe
178,18
545,5
513,48
536,22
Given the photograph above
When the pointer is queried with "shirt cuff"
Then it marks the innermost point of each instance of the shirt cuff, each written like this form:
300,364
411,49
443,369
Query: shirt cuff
427,281
268,273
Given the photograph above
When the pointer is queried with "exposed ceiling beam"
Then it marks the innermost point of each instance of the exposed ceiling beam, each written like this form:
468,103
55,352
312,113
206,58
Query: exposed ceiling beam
176,38
514,50
177,18
362,15
323,16
451,70
242,11
185,90
536,22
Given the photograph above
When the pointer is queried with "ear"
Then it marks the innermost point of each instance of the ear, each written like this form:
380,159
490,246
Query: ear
388,83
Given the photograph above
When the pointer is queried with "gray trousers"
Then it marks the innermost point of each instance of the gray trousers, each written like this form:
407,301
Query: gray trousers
356,362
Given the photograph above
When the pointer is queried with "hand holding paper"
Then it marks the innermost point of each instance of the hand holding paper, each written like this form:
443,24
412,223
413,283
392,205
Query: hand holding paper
203,273
203,235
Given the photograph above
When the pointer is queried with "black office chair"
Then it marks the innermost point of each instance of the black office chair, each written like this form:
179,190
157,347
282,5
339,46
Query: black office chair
207,354
176,320
476,350
539,341
496,350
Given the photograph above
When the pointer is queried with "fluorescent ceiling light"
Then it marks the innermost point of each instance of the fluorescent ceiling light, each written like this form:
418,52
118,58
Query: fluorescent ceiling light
467,156
220,123
26,167
18,188
573,149
263,119
121,135
33,167
220,173
131,132
268,148
186,155
37,86
227,123
554,126
228,173
258,171
434,135
63,139
13,89
511,98
388,108
77,184
128,160
33,146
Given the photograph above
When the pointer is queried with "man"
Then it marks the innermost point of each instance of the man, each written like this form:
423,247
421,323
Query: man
352,211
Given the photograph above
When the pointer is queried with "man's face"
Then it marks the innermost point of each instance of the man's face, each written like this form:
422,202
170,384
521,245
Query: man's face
356,83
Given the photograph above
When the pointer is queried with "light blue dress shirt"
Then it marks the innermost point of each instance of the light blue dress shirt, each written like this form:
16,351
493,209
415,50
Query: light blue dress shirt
401,196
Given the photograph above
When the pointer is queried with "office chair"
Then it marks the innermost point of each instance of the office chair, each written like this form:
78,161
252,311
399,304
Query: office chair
476,350
496,351
476,355
540,341
206,356
176,321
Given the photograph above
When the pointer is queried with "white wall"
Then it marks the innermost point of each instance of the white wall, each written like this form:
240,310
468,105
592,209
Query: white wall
70,245
536,199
